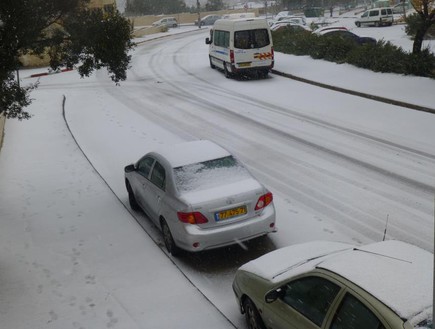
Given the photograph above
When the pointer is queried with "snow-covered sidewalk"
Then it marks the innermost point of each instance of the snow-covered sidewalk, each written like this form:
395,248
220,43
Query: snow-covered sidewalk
71,255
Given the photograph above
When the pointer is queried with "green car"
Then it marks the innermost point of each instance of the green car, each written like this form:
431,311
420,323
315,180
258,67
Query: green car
332,285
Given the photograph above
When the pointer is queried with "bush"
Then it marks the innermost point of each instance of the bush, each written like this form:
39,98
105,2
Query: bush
381,57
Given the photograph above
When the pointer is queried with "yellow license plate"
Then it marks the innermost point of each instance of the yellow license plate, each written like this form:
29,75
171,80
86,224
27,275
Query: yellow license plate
230,213
244,64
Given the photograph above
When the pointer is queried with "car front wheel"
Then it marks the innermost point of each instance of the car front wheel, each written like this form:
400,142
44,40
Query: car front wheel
253,319
169,240
131,198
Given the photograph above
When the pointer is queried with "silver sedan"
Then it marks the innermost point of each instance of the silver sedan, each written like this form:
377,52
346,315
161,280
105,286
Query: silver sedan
200,196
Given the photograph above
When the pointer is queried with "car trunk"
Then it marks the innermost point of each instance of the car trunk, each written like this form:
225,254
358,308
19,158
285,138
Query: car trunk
226,204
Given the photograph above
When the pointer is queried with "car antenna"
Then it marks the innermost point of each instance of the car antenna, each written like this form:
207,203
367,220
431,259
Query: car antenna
385,230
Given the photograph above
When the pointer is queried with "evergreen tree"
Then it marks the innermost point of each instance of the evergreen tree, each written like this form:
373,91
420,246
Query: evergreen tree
214,5
69,32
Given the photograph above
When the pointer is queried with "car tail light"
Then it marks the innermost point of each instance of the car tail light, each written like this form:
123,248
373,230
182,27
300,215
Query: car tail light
232,56
264,201
273,53
192,217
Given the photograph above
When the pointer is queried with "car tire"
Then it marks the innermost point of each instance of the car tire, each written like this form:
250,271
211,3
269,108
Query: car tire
377,24
211,64
169,240
226,72
358,24
131,198
253,319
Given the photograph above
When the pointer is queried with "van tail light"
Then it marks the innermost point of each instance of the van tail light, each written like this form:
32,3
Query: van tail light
192,217
264,201
232,56
273,53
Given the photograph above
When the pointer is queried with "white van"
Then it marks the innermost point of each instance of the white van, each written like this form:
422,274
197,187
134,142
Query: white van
376,17
241,46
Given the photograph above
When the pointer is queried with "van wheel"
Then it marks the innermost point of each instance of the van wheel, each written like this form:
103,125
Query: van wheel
263,74
211,64
377,24
358,24
227,73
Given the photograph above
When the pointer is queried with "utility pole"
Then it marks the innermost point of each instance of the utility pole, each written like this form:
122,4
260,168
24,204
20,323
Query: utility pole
198,7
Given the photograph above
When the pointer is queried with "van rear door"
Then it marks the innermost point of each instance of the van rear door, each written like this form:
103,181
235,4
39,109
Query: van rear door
252,48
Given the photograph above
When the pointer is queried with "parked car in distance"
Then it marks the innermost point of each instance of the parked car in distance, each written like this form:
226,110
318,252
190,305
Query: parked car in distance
200,196
402,7
283,25
292,18
167,21
332,285
208,20
347,35
376,17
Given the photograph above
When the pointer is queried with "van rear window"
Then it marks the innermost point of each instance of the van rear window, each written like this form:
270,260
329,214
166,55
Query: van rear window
249,39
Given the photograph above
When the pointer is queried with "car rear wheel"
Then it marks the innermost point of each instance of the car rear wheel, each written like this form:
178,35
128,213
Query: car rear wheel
227,73
253,319
358,24
131,198
169,240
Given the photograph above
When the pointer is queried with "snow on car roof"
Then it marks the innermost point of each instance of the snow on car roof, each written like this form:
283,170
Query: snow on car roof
185,153
398,274
281,263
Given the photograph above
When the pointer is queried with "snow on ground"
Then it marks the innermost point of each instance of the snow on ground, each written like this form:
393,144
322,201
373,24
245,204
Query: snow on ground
72,256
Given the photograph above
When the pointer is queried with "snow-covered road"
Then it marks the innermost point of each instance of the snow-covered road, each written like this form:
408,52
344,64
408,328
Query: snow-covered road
338,165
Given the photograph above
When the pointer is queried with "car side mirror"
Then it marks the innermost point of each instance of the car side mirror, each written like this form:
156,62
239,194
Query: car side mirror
129,168
207,41
272,296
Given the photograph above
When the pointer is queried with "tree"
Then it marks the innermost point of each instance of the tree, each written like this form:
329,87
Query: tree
154,7
214,5
426,11
72,35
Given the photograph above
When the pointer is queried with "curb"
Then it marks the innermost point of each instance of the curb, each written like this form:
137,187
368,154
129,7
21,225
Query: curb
356,93
36,75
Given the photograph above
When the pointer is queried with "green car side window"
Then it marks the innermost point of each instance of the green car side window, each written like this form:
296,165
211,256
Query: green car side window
311,296
353,314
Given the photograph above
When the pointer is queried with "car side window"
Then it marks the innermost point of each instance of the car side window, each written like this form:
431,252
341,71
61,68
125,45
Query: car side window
158,176
374,13
144,166
311,296
352,314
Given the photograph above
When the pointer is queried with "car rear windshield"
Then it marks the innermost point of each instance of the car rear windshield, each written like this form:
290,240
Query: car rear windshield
208,174
249,39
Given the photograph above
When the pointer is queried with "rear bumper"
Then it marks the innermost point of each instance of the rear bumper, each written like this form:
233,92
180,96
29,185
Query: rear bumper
256,68
212,238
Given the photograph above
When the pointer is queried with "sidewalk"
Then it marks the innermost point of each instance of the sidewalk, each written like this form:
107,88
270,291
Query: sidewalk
71,256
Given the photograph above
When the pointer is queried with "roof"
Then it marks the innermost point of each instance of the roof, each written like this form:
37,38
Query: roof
398,274
185,153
